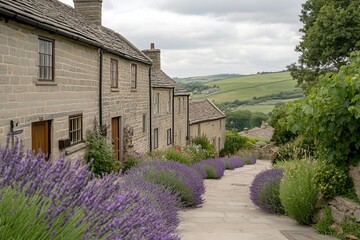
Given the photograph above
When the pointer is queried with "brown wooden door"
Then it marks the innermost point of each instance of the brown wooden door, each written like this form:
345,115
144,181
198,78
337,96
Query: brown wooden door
115,135
40,137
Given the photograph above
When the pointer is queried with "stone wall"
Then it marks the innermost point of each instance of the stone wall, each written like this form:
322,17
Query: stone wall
214,130
343,208
129,104
26,100
163,120
180,120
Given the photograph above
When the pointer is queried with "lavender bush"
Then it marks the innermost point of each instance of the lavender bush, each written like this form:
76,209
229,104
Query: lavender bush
64,201
264,190
216,164
179,178
228,165
236,162
200,170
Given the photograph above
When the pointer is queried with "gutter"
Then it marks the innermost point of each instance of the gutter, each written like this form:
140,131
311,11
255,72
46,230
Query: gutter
173,117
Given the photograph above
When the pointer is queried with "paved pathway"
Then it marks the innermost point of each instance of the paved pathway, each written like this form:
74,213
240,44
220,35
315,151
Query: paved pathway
229,214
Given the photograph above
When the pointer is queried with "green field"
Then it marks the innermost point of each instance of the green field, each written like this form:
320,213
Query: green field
264,107
247,87
205,79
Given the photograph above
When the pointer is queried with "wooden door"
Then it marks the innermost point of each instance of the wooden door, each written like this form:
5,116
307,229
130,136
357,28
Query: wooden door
40,137
115,135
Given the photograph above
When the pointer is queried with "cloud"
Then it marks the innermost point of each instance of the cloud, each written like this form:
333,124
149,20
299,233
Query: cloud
210,37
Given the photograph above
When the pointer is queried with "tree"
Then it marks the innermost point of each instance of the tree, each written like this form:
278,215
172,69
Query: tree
331,32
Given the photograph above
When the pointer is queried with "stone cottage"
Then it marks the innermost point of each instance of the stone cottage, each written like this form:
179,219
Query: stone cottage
206,119
60,70
169,114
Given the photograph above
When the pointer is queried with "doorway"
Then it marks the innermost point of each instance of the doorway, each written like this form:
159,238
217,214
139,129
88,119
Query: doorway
115,136
40,137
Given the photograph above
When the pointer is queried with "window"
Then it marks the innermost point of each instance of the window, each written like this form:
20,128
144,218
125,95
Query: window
46,59
219,142
75,129
156,138
220,124
133,75
169,103
179,105
114,73
144,122
214,142
169,137
157,103
184,104
199,130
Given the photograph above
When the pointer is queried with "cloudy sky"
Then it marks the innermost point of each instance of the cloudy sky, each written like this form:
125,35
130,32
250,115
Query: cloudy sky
204,37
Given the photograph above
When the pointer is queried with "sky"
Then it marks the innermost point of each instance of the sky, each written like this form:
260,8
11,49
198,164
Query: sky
206,37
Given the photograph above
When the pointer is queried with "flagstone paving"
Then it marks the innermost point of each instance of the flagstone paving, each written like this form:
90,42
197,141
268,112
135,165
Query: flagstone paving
229,214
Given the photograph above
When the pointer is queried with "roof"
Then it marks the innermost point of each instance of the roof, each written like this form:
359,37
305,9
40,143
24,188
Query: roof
159,79
57,17
265,132
204,110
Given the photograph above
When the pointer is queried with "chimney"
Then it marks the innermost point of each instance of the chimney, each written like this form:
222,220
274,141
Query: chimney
91,9
154,55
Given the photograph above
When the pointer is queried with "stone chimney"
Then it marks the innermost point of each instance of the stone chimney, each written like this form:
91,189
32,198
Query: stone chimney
91,9
154,55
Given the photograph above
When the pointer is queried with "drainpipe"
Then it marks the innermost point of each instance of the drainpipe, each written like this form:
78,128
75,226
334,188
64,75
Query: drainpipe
150,106
188,120
100,85
173,117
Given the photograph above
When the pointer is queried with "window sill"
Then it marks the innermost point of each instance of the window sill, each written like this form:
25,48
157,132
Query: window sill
45,83
115,90
133,90
74,148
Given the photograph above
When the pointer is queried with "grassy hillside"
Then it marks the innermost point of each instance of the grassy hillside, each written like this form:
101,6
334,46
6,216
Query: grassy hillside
205,79
264,107
247,87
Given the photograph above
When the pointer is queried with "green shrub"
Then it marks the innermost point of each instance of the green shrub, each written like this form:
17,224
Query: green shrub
228,165
210,171
324,225
350,226
175,155
233,143
332,181
278,121
206,145
298,192
100,152
196,153
130,162
295,149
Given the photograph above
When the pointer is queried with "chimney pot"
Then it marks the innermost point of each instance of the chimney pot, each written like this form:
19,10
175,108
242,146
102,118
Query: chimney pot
152,46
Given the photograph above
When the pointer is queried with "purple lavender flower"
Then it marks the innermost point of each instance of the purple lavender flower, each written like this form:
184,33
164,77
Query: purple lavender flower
236,161
111,209
200,170
215,163
180,179
264,190
252,159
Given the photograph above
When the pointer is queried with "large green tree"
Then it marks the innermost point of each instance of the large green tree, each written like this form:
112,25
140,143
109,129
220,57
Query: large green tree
331,31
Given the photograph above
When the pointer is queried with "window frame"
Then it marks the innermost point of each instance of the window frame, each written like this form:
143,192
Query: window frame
144,122
169,136
156,138
52,59
157,103
133,76
72,131
114,82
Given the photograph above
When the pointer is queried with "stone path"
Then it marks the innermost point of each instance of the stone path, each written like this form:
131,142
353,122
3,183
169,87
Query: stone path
229,214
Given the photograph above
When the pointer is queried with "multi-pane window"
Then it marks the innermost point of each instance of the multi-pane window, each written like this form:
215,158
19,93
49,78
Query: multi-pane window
133,75
169,103
46,59
144,122
114,73
157,103
156,138
169,137
75,129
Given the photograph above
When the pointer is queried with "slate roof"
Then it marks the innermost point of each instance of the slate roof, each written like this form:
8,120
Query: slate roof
204,110
159,79
57,17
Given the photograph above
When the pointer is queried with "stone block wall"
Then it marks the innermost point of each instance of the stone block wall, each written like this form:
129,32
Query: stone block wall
162,121
343,208
25,100
130,104
354,172
214,130
180,120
